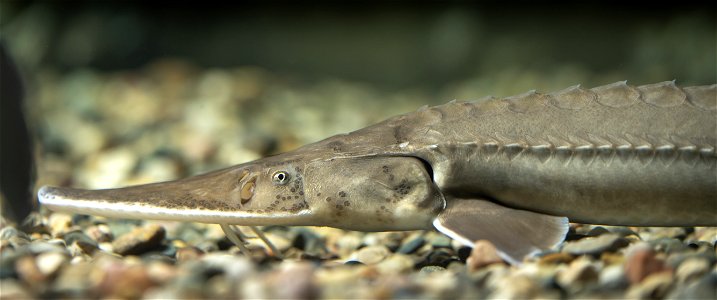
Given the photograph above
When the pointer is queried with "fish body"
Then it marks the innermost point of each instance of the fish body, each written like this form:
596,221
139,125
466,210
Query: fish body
510,170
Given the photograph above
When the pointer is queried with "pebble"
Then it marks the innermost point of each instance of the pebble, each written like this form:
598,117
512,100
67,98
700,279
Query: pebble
28,271
668,245
556,258
12,289
49,263
484,253
396,264
295,280
188,254
596,245
438,258
641,262
10,232
581,271
692,269
59,223
139,240
613,278
432,269
655,286
100,233
441,241
80,241
372,254
703,288
411,245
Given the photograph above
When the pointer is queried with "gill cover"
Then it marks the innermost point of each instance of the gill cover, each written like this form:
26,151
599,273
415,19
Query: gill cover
373,193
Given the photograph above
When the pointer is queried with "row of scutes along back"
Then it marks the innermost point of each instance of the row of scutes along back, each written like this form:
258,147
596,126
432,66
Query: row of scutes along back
619,94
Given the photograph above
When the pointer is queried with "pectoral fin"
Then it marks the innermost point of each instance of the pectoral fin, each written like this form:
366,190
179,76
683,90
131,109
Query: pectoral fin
516,233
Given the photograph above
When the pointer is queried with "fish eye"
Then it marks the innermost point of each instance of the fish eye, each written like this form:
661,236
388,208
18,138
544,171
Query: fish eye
280,177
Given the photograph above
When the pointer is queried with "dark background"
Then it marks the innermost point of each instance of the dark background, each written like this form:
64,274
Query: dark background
396,43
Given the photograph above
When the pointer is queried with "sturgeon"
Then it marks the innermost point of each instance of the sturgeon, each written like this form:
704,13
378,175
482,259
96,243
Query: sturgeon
512,171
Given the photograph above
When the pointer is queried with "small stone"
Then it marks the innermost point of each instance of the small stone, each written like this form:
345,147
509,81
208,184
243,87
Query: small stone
641,262
309,242
396,264
678,233
613,278
441,241
622,231
580,272
432,269
295,280
28,271
668,245
9,232
654,286
596,245
372,254
41,246
556,258
597,230
100,233
515,287
189,254
12,289
50,262
59,223
81,241
484,253
161,272
124,281
438,258
707,234
18,242
692,269
702,288
411,245
139,240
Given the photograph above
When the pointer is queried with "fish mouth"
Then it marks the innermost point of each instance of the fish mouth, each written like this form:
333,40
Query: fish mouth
214,197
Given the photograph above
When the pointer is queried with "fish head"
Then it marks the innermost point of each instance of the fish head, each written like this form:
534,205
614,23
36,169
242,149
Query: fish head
372,193
363,193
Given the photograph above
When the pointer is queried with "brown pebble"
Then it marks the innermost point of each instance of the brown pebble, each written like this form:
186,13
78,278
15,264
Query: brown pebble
483,254
123,281
28,270
556,258
139,240
641,262
189,253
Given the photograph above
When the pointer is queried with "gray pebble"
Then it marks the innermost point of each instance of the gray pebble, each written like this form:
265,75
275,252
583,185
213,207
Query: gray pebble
11,232
40,246
703,288
668,245
412,245
596,245
441,241
432,269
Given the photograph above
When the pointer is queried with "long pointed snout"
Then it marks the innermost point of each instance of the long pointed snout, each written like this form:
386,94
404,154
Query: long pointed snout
215,197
